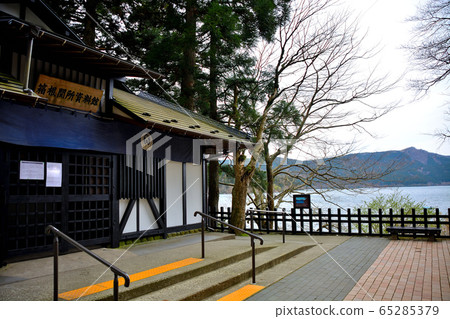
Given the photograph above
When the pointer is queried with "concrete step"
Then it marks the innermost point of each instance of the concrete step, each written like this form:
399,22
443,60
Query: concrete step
219,254
33,279
204,285
279,271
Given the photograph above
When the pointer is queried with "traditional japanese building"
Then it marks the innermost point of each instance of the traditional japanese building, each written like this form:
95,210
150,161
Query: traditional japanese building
81,152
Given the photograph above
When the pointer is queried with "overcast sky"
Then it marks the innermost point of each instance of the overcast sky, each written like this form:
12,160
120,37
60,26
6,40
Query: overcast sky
414,123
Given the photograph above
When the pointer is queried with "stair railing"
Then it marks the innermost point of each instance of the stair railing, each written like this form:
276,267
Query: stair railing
252,238
58,234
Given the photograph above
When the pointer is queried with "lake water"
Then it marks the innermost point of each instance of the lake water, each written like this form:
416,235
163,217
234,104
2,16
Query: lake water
434,196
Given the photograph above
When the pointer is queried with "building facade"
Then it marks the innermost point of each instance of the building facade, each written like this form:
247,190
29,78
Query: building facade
79,151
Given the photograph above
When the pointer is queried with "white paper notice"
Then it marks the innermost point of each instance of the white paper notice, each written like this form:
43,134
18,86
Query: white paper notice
32,170
54,175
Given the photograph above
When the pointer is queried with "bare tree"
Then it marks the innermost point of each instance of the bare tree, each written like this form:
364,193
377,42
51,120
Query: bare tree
312,82
431,49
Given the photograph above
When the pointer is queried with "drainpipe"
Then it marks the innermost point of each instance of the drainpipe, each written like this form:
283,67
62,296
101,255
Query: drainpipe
33,33
28,65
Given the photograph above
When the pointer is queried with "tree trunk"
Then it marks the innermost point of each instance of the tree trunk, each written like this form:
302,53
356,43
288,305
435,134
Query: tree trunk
239,201
243,175
188,66
213,200
270,182
89,25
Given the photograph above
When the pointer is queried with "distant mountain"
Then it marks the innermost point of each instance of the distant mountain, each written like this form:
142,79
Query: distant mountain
411,167
417,167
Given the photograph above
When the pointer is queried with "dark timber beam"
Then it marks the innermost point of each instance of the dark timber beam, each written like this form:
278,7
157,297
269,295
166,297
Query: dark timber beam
156,214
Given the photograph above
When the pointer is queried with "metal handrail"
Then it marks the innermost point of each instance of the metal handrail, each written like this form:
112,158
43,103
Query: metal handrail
252,238
57,233
283,211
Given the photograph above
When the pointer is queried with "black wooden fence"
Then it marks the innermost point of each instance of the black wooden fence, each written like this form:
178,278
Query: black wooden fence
339,221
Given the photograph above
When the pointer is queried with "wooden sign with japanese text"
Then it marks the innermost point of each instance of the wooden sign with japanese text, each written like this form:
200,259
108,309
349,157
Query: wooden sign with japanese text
69,94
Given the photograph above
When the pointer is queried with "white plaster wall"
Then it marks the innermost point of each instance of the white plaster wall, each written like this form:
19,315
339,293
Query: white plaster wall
194,192
147,219
174,191
131,224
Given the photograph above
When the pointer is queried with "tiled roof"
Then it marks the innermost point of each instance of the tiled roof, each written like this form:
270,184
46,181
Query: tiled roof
154,110
12,89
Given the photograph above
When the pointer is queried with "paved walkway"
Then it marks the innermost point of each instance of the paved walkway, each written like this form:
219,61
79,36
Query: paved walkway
407,270
360,268
331,276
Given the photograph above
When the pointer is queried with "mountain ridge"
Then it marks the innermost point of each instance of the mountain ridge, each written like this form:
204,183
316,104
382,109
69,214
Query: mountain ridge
415,167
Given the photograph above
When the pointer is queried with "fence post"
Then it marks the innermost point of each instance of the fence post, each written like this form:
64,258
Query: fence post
339,221
293,222
425,218
391,217
301,221
284,225
275,223
349,220
438,219
267,221
250,211
330,223
359,222
402,217
380,220
311,222
222,211
260,221
369,219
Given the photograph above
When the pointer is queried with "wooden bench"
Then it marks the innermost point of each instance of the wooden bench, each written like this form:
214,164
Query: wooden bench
405,231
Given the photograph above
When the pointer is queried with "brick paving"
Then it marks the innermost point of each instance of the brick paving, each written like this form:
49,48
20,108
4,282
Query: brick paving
330,276
407,270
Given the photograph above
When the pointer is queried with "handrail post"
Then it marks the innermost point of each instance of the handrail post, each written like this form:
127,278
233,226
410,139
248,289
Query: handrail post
203,237
116,287
55,267
253,260
284,225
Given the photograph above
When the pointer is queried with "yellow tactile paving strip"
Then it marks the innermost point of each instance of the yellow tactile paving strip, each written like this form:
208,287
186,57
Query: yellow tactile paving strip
242,293
89,290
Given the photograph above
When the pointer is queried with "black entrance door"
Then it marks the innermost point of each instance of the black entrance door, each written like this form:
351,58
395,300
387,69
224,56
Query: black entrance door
81,207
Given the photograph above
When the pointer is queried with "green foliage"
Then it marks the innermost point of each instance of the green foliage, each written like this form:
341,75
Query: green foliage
395,201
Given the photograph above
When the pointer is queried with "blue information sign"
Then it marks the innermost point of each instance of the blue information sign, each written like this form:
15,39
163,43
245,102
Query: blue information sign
302,201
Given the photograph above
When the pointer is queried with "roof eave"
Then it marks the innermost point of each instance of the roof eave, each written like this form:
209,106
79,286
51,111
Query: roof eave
116,66
136,120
